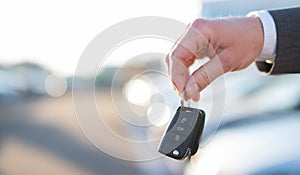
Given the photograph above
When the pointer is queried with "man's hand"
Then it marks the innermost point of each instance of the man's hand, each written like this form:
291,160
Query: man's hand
231,44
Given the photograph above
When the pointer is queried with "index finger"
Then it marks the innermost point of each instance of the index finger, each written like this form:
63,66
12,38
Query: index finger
183,55
179,60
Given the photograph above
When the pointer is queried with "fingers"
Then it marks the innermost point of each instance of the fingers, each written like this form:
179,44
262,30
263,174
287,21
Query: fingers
178,63
203,76
193,44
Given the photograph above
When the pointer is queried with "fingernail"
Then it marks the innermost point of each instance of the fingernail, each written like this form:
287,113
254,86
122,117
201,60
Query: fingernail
192,89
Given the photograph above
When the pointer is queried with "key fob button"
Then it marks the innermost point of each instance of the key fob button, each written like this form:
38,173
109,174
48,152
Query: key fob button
186,120
181,129
175,138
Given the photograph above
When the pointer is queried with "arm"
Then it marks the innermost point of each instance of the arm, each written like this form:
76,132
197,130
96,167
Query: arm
287,60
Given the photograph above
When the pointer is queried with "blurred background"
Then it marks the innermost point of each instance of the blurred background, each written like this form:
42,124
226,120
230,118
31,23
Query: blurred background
41,43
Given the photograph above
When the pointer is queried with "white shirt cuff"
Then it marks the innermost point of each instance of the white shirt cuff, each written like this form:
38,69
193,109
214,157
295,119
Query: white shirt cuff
268,52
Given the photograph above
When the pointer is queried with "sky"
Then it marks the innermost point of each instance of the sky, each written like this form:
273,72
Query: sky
55,33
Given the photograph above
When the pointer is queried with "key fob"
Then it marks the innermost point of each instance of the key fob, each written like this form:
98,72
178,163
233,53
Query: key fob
182,136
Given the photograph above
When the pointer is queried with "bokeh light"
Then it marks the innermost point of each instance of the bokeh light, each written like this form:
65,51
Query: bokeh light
137,92
55,86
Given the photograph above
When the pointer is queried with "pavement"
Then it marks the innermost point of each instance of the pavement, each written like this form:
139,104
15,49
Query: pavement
40,135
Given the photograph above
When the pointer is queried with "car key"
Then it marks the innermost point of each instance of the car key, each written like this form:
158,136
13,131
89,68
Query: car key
181,138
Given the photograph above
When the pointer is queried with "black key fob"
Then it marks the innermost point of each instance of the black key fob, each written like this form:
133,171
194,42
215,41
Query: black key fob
182,136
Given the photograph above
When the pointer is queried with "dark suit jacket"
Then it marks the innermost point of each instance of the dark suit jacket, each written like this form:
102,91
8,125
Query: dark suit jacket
287,60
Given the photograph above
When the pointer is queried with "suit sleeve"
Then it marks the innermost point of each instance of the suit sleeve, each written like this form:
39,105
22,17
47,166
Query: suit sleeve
287,60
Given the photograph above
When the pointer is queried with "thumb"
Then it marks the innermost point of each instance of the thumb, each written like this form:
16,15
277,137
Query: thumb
203,76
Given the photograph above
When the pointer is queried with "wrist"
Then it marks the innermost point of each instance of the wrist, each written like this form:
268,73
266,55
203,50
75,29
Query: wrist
258,34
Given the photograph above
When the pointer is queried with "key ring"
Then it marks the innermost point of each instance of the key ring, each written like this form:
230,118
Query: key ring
183,102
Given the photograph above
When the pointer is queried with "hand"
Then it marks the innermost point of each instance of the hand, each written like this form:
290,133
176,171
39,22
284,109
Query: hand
231,44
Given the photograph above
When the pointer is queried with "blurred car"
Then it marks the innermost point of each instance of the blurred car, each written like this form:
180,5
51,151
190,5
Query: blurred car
257,145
